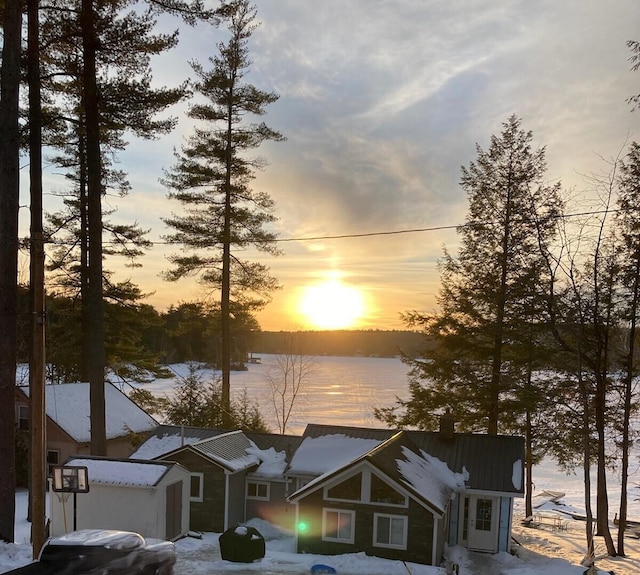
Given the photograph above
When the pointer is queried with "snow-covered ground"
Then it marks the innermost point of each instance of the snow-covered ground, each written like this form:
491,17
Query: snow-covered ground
537,552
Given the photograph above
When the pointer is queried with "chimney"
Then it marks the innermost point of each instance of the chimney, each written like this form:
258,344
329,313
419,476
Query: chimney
447,424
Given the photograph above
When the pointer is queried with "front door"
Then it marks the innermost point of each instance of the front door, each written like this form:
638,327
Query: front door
483,523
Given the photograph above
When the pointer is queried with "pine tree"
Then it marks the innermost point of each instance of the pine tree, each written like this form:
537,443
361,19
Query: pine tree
491,293
98,75
11,19
211,177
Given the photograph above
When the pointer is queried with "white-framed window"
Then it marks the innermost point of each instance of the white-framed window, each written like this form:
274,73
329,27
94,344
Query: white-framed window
338,525
258,490
196,487
366,487
349,489
23,417
381,493
390,531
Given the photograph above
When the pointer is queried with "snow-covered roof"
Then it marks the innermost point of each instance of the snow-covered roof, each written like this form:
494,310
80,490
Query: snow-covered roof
430,477
232,450
272,463
122,472
319,455
156,446
167,438
68,405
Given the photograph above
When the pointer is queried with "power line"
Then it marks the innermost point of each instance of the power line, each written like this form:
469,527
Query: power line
430,229
403,230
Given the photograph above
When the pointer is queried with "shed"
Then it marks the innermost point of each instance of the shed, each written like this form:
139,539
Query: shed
148,497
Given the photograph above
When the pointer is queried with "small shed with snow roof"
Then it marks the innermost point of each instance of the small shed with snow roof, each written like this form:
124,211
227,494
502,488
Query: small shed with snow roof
148,497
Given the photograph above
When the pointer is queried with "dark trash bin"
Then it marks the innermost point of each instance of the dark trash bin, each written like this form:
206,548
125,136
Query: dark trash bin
242,544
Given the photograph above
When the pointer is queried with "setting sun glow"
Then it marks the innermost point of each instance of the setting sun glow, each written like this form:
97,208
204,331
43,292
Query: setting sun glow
332,305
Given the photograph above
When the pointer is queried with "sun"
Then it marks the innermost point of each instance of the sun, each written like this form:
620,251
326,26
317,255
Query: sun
332,305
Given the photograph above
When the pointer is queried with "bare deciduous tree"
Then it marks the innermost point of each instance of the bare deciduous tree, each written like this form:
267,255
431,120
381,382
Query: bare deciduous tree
288,379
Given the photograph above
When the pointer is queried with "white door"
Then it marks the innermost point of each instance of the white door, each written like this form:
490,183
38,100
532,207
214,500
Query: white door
483,523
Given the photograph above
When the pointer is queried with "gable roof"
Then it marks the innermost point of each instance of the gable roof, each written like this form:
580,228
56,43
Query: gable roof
122,472
67,405
494,462
429,481
168,438
230,450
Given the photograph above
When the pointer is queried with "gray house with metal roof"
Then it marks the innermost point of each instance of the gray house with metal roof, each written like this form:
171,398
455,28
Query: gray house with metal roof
218,466
392,501
481,511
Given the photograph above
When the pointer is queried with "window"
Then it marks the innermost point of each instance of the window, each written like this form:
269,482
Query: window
390,531
338,525
349,489
197,487
53,458
382,492
484,509
258,490
23,417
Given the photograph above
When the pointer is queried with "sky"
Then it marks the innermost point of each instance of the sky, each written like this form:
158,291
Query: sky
382,102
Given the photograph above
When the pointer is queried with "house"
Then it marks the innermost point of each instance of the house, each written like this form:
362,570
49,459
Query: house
147,497
393,501
481,512
68,423
235,476
380,482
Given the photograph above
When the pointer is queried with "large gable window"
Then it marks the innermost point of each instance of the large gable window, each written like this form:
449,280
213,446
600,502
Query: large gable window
350,489
390,531
382,492
338,525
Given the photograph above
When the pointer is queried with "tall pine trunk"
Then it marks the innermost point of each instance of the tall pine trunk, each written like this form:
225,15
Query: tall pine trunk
9,201
38,458
95,309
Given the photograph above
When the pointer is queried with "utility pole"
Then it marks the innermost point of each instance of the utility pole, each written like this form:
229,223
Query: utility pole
36,288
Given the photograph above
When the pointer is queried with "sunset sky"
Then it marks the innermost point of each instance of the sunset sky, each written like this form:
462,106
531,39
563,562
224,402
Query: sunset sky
381,102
